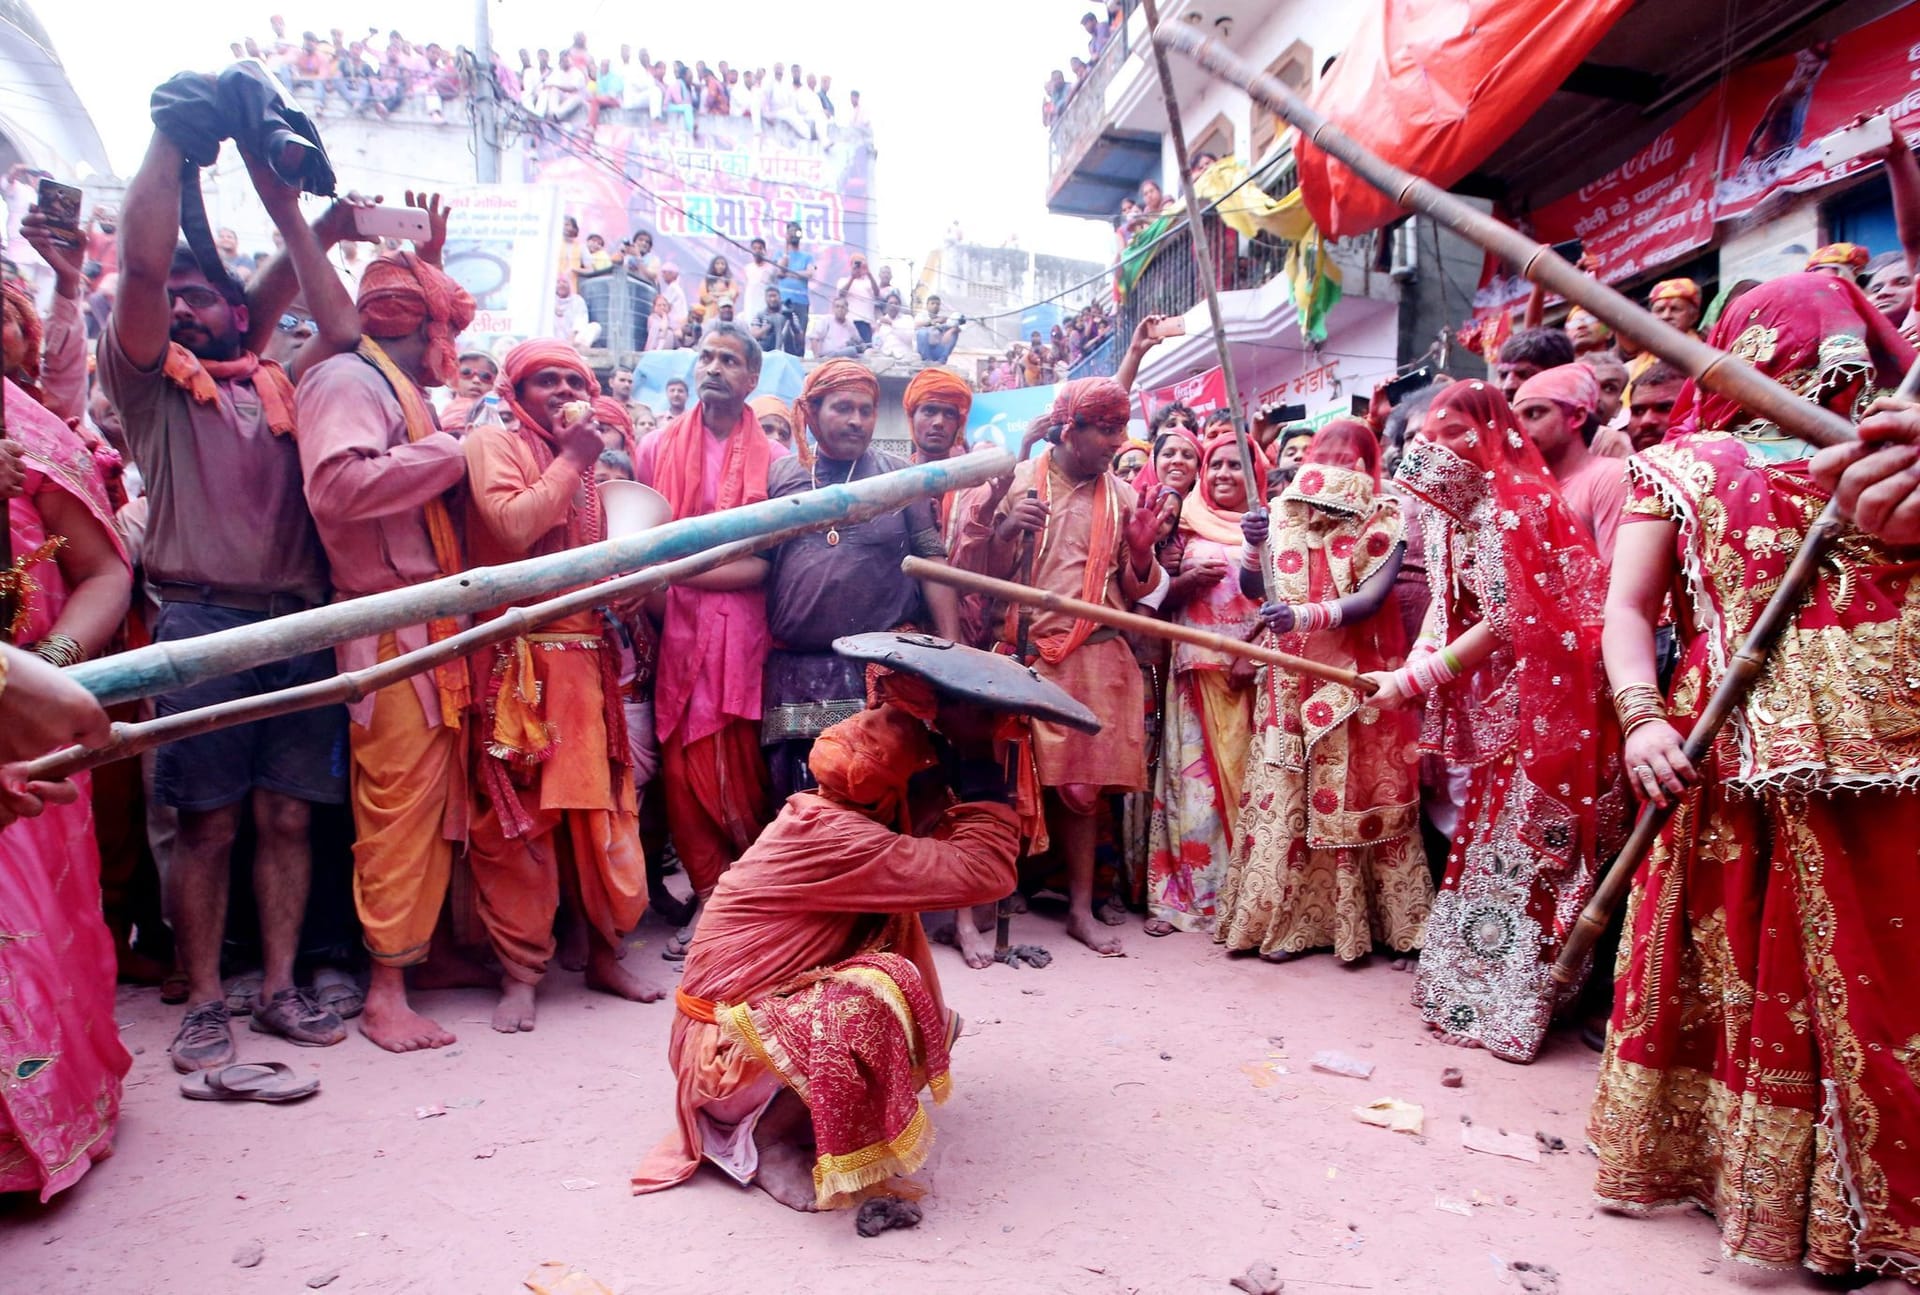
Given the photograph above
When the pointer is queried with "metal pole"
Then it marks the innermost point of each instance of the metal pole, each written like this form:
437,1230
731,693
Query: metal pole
486,117
1203,260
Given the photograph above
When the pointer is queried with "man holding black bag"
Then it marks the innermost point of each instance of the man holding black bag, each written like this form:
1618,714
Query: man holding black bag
229,541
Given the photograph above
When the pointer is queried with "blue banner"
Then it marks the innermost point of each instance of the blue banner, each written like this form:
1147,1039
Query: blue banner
1002,417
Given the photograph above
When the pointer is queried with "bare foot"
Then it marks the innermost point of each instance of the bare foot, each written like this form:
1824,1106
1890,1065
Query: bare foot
390,1021
976,946
784,1139
1159,927
1111,911
1082,927
515,1011
1453,1040
606,973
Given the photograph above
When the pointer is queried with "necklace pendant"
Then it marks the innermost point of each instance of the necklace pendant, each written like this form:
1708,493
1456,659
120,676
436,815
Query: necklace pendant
833,537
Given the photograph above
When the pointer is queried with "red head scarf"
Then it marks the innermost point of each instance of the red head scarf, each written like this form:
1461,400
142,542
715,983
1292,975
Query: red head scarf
19,308
1503,547
1200,516
527,359
1341,470
834,375
1571,386
1148,484
1670,289
943,385
1815,334
609,412
1850,257
865,762
1098,400
399,292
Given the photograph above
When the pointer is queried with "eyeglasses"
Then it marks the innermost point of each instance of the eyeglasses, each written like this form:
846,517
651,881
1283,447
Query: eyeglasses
289,323
197,298
488,374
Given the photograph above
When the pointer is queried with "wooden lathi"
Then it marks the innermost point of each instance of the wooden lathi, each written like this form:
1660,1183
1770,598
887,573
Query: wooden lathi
165,667
1046,600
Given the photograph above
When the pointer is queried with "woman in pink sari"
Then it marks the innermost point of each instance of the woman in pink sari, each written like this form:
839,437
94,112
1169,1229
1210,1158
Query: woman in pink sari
1209,708
61,1060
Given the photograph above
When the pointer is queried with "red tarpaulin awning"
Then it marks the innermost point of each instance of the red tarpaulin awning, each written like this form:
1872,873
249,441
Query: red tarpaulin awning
1437,86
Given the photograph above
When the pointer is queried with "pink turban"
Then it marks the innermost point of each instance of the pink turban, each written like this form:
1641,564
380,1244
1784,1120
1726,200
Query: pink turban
1097,400
1571,385
399,292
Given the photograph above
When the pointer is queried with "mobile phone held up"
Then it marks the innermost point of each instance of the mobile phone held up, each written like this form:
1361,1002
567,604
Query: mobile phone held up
60,203
1849,142
1171,326
391,222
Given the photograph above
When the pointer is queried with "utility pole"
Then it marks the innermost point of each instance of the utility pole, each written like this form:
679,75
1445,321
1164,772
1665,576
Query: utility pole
486,113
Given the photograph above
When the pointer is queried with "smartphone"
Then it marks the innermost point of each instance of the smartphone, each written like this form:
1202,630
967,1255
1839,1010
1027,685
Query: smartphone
391,222
1570,251
1173,326
1850,142
1408,383
60,203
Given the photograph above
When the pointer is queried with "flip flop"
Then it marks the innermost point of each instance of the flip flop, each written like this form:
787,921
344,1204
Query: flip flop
249,1081
339,992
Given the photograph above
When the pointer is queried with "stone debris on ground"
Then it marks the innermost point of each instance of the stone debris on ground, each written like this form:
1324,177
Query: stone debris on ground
1450,1077
248,1254
556,1278
1536,1279
883,1214
1259,1279
1339,1063
327,1278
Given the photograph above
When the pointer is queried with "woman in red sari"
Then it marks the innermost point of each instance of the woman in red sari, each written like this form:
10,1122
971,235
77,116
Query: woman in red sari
1510,662
1764,1056
1329,850
61,1060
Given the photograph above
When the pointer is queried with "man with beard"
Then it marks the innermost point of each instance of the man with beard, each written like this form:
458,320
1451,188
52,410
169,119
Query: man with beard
676,398
229,542
714,638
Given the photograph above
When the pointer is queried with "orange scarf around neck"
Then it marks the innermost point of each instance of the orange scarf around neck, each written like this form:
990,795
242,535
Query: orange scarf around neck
201,378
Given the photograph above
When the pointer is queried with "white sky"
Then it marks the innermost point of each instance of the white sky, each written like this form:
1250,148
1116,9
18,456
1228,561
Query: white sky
954,90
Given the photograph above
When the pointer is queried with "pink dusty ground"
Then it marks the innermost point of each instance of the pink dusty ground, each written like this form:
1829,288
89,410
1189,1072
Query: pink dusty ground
1141,1124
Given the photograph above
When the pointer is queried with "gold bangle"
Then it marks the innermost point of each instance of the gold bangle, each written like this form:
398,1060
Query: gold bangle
1629,727
61,650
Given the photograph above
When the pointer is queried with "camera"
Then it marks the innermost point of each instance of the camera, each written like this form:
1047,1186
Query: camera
959,320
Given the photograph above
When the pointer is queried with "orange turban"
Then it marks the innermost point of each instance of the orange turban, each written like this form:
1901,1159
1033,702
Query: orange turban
1850,256
907,692
19,308
609,412
399,292
940,384
865,762
765,405
1100,400
1668,289
529,358
834,375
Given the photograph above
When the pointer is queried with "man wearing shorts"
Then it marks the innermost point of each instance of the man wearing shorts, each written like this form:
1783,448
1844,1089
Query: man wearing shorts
229,542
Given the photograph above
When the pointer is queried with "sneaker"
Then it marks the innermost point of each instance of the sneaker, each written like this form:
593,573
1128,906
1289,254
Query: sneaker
205,1040
297,1016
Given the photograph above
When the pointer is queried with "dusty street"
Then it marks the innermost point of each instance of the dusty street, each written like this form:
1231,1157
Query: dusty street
1148,1124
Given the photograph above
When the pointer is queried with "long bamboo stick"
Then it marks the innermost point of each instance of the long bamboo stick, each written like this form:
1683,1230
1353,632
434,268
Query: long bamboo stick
167,666
1203,263
1028,596
1713,369
133,739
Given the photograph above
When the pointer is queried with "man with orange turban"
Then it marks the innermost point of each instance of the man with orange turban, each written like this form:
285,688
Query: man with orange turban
810,1013
379,474
938,402
713,640
1063,522
555,804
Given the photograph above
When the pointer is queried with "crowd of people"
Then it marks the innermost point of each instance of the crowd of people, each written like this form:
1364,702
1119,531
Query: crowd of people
1511,595
1102,29
1045,359
380,75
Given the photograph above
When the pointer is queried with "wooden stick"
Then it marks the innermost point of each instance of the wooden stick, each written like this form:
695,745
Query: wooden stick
9,602
1027,596
168,666
1203,263
1713,369
1742,673
133,739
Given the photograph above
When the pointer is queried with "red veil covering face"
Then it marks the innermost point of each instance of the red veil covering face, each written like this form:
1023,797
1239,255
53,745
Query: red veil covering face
1534,722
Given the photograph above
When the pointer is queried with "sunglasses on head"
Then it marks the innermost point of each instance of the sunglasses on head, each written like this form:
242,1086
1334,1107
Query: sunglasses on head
289,322
469,372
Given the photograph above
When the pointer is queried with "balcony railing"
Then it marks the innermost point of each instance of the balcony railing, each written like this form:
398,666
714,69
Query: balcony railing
1170,285
1078,122
1100,362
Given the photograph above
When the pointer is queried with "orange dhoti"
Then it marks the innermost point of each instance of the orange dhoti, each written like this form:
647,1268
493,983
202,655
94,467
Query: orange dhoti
562,813
716,791
409,808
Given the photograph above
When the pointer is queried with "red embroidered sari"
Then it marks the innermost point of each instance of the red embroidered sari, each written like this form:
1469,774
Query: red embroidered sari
1764,1056
1534,722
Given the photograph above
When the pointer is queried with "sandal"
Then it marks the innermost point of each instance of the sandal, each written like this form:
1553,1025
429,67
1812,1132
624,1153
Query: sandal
677,945
249,1081
173,990
339,993
1158,927
296,1016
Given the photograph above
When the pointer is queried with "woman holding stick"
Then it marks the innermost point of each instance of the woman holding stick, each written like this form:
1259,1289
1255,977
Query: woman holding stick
1329,852
1509,664
1208,711
1764,1055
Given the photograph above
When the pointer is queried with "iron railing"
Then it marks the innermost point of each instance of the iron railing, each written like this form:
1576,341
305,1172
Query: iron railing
1079,120
1170,285
1099,362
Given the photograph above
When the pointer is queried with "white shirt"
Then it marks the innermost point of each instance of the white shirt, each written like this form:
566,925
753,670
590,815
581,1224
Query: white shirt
829,334
676,303
861,301
895,337
756,279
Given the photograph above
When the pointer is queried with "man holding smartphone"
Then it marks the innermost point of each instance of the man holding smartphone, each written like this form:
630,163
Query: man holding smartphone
229,542
797,273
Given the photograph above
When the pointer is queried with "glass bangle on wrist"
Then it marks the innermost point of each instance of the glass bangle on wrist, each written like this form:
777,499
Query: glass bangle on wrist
60,650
